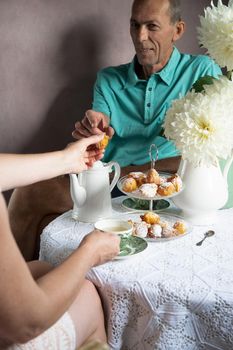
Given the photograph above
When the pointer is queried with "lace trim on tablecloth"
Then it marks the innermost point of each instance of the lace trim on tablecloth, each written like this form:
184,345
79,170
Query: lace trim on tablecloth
172,296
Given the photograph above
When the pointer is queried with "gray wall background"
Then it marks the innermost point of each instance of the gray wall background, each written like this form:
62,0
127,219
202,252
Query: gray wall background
50,53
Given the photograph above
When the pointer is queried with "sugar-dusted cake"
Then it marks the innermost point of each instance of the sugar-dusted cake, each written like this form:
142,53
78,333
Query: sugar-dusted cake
153,177
150,218
148,190
151,184
176,181
139,176
152,226
129,184
166,189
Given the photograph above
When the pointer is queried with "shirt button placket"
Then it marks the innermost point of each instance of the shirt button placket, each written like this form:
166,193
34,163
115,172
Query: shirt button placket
148,100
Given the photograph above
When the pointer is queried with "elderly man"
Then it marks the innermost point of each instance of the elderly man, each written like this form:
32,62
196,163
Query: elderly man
134,97
130,102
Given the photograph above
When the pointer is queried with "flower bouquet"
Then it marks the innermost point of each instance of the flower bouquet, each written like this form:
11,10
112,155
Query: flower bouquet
201,123
216,33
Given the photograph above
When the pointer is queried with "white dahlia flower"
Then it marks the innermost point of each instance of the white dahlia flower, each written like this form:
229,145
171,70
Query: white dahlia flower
201,124
216,33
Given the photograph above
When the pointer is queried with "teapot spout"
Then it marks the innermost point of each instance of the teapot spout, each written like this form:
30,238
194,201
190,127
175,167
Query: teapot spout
78,193
227,166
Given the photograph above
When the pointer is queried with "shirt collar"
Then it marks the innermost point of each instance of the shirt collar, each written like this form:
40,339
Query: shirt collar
166,74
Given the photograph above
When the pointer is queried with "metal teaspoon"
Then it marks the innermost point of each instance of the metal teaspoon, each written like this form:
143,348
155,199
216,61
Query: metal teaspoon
207,234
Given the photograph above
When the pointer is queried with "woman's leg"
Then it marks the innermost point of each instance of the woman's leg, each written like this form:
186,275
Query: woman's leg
87,315
86,311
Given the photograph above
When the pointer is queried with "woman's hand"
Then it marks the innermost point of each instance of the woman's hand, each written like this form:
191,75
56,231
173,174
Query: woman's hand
102,246
81,155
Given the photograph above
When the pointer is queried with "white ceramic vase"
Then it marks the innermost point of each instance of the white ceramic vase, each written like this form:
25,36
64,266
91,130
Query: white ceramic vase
205,191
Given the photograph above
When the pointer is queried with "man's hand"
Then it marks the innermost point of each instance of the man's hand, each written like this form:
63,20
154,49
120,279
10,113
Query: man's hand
93,123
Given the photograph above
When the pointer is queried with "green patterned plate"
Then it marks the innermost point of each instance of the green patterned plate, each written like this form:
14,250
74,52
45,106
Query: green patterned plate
142,204
130,246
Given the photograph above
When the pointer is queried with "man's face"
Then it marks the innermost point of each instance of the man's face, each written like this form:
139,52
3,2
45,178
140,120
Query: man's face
152,32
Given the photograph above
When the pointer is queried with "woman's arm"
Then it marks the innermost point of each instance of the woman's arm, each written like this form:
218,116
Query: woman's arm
28,307
19,170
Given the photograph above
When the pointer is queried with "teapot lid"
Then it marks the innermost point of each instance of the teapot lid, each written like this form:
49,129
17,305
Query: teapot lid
97,165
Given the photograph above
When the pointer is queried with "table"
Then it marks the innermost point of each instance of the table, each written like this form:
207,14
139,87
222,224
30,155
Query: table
174,295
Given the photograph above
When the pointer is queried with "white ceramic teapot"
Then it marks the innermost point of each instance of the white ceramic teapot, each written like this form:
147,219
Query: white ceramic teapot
91,191
205,191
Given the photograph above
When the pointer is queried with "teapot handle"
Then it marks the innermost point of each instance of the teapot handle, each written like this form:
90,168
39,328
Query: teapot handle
182,167
227,166
116,175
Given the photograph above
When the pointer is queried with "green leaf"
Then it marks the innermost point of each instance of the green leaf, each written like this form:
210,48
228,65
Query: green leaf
198,86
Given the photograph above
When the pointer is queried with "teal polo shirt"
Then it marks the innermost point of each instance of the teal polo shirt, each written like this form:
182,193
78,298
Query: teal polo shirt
137,107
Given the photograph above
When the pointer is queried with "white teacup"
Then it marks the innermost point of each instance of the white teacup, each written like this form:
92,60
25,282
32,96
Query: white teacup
117,226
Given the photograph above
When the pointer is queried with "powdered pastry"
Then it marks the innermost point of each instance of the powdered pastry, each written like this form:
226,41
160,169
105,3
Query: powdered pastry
148,190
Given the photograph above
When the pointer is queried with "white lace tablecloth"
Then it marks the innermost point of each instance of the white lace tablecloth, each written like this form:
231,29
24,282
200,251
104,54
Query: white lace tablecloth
174,295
